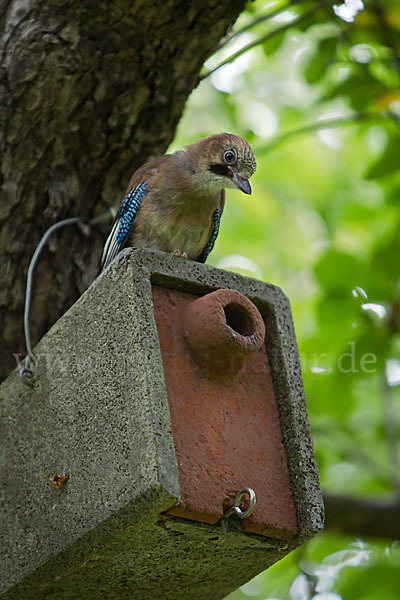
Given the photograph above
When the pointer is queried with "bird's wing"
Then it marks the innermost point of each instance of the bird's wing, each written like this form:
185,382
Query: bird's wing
216,219
123,224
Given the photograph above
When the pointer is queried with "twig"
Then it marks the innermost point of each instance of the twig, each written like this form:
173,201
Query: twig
259,20
326,124
269,35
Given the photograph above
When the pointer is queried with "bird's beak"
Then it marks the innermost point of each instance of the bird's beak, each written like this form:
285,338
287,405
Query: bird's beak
242,183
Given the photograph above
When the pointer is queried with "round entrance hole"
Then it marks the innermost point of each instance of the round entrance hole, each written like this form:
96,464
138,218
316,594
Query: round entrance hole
238,318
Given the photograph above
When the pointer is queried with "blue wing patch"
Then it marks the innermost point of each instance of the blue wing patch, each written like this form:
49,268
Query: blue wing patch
123,224
216,219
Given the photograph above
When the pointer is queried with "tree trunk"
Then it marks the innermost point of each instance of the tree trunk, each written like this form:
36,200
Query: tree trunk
88,92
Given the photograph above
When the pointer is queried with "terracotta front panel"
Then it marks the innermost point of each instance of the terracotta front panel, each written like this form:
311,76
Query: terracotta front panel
226,432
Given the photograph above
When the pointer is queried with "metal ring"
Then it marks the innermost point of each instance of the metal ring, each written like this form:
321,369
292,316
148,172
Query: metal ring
27,376
235,509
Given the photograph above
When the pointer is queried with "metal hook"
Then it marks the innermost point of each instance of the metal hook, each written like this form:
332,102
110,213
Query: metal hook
235,509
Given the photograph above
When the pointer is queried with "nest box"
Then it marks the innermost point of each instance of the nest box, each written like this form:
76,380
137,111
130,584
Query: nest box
167,388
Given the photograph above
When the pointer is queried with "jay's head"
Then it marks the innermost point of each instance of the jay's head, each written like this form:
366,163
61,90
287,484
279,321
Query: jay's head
223,161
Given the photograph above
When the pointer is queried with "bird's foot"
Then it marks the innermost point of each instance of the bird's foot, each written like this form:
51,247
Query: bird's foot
179,253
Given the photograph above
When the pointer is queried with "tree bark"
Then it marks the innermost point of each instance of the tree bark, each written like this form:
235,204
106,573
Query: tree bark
88,92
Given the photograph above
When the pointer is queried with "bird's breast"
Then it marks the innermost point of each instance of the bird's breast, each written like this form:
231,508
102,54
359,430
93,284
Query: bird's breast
183,226
187,233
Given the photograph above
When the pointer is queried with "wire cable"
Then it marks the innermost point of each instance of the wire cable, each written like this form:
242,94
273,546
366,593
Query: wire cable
27,372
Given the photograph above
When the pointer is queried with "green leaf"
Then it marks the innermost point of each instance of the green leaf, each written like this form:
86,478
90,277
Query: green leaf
373,583
273,43
325,54
360,88
388,162
337,271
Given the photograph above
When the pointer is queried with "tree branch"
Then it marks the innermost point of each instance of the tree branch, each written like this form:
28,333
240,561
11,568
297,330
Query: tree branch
360,517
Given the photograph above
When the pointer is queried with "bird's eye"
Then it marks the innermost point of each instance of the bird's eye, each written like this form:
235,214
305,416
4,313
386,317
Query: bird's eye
229,156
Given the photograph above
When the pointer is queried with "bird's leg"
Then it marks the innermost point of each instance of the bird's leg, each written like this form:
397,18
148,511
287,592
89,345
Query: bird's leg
179,253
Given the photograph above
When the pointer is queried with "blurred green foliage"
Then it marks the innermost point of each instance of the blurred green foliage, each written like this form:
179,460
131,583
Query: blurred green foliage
324,224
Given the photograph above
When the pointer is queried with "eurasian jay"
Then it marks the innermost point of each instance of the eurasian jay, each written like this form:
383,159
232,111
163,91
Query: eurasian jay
174,202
